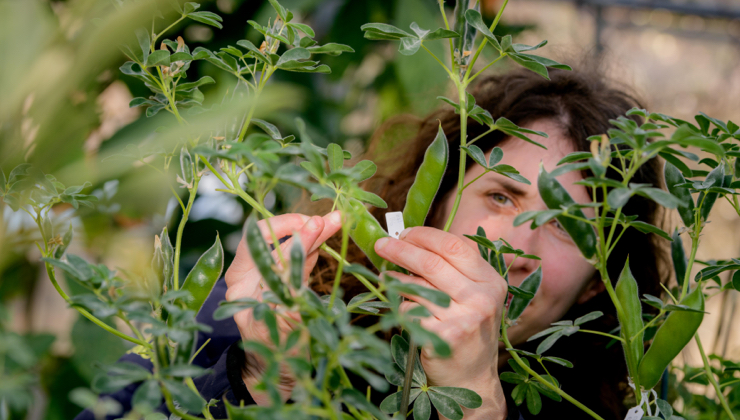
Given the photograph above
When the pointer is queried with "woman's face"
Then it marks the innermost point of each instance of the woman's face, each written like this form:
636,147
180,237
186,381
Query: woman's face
493,201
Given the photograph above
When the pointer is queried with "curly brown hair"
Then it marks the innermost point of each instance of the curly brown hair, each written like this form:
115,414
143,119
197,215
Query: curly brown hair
582,103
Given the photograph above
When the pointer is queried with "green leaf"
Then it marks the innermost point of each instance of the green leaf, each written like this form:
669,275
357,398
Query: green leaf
392,403
370,198
534,402
435,296
476,154
409,45
297,259
648,228
331,49
148,396
422,407
400,353
270,129
441,33
323,332
574,157
475,20
280,10
388,31
661,197
355,398
446,405
336,157
142,35
293,54
230,308
205,80
523,47
158,58
519,303
619,197
208,18
496,155
305,29
462,396
530,64
364,169
559,361
545,61
251,47
588,317
184,396
674,178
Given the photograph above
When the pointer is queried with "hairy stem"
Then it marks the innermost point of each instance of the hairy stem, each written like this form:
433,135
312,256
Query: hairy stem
712,379
340,267
180,229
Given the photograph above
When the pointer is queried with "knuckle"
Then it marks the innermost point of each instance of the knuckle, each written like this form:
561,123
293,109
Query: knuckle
453,246
432,264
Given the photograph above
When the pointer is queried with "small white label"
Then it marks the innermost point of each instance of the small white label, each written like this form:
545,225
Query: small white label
635,413
394,221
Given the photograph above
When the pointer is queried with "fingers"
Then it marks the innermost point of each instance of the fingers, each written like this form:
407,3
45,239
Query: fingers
435,310
452,249
433,268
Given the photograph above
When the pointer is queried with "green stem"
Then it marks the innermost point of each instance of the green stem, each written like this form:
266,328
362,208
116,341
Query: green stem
539,378
180,229
154,39
712,379
438,60
263,80
359,277
603,333
463,142
173,409
88,315
447,26
690,264
340,267
649,324
484,42
487,66
206,412
492,129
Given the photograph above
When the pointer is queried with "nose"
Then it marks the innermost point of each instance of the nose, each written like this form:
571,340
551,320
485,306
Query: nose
526,239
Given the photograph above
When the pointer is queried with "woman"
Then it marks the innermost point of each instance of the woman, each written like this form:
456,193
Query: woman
570,107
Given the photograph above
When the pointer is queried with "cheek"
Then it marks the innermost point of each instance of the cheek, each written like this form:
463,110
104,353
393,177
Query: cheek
565,275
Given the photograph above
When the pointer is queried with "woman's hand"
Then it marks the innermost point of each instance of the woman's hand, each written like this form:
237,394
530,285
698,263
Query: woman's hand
441,260
244,280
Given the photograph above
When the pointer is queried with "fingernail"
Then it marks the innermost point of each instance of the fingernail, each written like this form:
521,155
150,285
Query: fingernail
380,243
404,233
312,225
335,217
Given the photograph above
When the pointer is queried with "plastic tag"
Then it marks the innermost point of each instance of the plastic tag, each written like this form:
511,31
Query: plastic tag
635,413
394,221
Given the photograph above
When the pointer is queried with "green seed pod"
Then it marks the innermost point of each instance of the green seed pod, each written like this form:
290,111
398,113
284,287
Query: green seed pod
203,276
365,232
631,319
428,178
675,333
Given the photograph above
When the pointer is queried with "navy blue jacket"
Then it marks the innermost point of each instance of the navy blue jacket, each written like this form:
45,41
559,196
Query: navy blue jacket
225,358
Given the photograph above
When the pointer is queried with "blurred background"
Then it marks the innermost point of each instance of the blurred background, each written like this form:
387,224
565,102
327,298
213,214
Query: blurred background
64,107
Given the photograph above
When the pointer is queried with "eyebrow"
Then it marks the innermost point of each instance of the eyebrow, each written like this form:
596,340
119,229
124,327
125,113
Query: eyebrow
511,186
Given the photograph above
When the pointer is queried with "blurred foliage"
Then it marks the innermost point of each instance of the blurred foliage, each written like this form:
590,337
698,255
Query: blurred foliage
65,110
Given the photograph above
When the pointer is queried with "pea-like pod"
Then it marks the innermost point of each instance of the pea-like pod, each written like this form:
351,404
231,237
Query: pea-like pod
203,276
297,259
631,319
365,232
518,303
675,333
679,258
260,253
674,177
556,196
428,178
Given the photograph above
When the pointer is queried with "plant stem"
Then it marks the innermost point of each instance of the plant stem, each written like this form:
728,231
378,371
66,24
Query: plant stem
206,412
463,142
172,408
340,267
449,72
614,337
483,43
712,379
88,315
447,26
490,130
487,66
539,378
180,229
359,277
410,364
